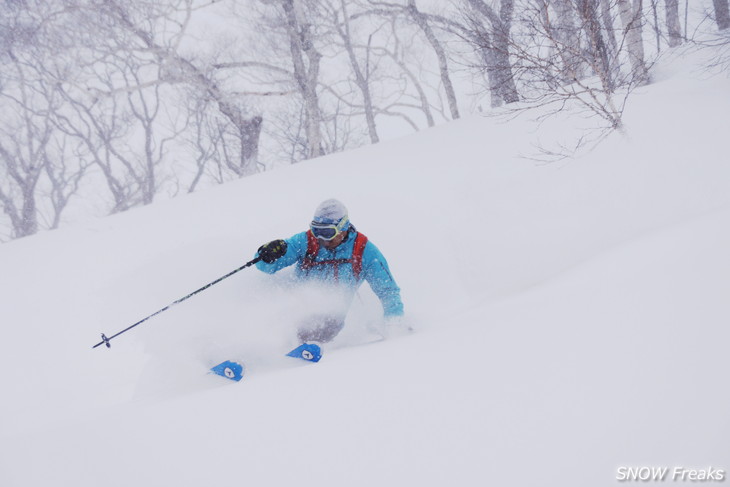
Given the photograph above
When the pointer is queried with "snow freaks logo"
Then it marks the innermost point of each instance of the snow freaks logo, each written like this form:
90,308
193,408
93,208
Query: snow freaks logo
676,474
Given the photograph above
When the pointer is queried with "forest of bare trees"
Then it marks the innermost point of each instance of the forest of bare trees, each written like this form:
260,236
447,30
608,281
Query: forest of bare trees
130,101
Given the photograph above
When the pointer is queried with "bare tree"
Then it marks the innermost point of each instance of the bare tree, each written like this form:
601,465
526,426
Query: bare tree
384,63
422,21
103,126
631,17
23,144
657,29
145,106
23,164
552,73
38,176
421,101
674,29
362,73
608,32
209,137
402,76
176,68
292,62
204,142
491,34
598,50
567,36
124,104
306,63
320,36
65,174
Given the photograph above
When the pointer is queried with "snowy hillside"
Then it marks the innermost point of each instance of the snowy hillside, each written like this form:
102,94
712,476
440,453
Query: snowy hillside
570,318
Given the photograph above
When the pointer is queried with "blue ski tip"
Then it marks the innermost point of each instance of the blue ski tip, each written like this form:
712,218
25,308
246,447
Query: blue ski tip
307,351
229,370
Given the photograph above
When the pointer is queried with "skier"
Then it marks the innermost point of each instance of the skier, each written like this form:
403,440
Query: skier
334,253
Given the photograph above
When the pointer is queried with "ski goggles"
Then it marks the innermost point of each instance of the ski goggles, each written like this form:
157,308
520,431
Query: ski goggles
328,231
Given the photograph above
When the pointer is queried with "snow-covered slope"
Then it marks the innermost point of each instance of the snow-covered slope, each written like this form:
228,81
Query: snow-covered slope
570,318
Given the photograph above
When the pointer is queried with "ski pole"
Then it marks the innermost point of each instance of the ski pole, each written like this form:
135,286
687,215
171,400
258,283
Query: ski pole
105,340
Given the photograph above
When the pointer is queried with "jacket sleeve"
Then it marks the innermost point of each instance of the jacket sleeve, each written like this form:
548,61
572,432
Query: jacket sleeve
296,248
377,273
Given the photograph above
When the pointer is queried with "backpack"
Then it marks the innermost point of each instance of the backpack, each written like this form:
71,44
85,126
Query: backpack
356,258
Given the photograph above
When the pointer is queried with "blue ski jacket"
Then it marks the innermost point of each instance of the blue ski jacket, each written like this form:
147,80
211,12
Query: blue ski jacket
338,268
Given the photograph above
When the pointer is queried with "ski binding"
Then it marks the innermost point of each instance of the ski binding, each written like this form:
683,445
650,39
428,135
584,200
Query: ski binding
229,370
307,351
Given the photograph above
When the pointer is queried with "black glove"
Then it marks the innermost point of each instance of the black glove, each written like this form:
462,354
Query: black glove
271,251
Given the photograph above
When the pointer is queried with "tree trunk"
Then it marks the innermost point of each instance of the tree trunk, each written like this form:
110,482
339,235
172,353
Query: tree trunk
306,76
499,67
361,79
25,175
657,32
631,20
486,52
250,132
589,15
422,22
673,26
503,71
501,47
722,14
567,36
610,37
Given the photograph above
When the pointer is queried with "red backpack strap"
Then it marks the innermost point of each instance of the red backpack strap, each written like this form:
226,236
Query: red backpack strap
357,251
312,249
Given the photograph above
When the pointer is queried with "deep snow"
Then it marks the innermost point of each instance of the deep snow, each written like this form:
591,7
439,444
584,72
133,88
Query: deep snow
570,318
